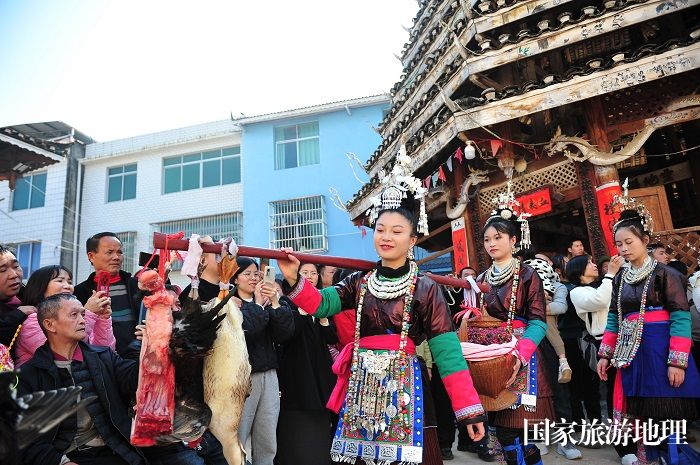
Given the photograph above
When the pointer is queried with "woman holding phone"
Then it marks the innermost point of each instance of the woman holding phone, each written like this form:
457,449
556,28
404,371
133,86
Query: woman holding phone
266,322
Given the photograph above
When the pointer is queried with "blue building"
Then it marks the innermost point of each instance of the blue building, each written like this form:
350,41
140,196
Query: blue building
293,160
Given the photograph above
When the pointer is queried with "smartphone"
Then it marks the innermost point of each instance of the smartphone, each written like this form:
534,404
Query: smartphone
269,274
144,258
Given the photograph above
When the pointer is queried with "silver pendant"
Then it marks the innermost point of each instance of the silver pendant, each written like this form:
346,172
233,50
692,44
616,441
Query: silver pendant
391,411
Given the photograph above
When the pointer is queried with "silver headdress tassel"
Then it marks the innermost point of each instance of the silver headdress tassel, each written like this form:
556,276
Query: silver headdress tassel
624,202
395,187
510,209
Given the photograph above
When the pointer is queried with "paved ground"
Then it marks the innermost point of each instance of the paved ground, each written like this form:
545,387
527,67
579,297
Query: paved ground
603,456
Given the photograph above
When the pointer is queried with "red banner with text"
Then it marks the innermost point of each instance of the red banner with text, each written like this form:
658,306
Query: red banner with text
604,197
460,252
537,202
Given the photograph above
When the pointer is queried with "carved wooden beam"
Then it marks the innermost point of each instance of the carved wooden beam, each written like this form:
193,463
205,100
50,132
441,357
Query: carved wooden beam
485,82
481,24
579,88
658,121
604,24
516,12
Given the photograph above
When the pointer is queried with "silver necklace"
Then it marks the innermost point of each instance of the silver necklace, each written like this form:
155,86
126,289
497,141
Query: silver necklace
390,288
636,275
497,277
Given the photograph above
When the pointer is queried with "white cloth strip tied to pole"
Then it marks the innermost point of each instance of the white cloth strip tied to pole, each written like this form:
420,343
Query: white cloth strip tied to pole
470,295
194,255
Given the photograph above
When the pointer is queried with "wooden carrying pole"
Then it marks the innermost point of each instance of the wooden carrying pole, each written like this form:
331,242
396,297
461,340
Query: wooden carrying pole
329,260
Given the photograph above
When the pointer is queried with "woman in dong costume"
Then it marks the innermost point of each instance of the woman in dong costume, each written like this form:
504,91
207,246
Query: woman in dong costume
516,297
647,337
387,414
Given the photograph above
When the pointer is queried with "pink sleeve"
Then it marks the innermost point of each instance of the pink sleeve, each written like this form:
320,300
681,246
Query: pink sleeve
99,330
678,350
465,400
607,345
30,338
525,349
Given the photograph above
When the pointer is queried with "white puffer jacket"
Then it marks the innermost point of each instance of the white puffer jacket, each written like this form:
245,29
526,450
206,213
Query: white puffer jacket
592,306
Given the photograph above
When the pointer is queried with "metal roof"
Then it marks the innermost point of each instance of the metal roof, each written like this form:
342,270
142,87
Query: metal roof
160,139
316,109
52,131
21,153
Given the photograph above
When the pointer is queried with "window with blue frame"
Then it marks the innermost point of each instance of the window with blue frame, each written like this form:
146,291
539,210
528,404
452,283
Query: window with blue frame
205,169
30,192
297,145
28,256
121,183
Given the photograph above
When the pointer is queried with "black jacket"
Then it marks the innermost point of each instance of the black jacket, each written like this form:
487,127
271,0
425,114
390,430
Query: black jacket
570,325
115,381
264,327
10,319
305,375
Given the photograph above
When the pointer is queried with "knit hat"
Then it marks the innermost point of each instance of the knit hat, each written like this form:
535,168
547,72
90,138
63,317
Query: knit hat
545,271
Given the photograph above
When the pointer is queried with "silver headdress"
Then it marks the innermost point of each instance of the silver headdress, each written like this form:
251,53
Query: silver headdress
395,187
508,208
624,202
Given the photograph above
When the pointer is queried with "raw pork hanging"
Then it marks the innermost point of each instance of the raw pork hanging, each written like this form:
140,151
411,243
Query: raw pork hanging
155,396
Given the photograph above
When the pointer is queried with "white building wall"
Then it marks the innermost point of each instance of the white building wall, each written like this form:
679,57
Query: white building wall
150,206
44,224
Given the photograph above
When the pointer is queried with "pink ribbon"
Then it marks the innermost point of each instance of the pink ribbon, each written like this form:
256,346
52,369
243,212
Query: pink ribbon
467,310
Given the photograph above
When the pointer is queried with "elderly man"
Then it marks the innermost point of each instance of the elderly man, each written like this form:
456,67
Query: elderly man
12,314
99,434
104,251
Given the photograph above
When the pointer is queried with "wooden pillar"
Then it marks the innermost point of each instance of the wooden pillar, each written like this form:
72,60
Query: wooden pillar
473,242
591,176
481,260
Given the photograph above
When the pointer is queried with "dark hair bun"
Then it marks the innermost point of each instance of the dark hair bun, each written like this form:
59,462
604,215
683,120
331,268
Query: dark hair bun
630,215
409,203
631,220
503,225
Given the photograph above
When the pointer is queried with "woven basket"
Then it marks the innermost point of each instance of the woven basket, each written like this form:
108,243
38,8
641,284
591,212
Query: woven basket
489,376
485,321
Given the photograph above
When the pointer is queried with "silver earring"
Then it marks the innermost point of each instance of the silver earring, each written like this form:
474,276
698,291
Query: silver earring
410,254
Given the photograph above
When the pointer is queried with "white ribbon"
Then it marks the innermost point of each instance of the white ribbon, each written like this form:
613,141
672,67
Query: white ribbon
194,255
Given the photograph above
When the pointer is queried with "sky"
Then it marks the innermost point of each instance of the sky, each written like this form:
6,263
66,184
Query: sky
115,69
